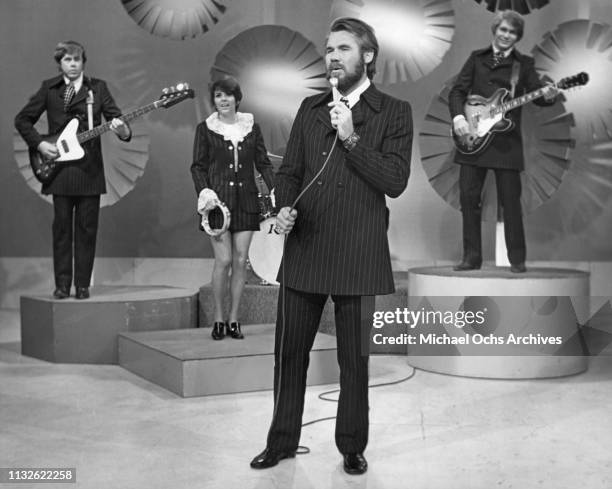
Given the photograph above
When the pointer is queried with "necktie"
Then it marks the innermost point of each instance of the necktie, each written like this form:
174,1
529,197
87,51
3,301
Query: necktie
68,94
497,58
345,101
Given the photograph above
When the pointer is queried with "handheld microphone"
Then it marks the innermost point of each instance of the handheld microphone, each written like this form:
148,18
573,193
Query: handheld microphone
333,81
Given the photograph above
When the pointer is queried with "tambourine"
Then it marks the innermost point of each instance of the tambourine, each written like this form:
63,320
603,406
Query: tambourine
226,219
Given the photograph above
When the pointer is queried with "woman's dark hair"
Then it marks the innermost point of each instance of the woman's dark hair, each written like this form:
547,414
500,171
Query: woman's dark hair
227,85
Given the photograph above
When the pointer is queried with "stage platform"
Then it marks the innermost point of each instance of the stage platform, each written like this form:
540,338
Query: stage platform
259,303
543,302
190,363
85,331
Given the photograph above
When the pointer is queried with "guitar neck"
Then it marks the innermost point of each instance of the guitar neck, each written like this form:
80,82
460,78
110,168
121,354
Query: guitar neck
102,128
518,101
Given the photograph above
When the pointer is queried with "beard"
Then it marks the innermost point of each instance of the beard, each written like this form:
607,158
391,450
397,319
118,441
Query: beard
350,77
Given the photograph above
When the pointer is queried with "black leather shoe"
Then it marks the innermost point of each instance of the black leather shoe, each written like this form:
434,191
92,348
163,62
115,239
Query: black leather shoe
355,463
61,293
218,331
518,268
233,330
82,293
269,458
464,266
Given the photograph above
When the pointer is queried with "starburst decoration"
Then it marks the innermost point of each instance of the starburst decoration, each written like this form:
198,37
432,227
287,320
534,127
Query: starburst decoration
175,19
520,6
582,46
276,68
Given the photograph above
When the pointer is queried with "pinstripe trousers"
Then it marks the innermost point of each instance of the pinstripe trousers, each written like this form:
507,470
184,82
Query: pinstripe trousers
75,224
298,317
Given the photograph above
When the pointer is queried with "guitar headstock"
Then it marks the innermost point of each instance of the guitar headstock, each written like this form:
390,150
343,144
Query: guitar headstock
173,95
577,80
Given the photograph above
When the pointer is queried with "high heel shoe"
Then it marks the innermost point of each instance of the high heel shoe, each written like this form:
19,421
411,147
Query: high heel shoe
233,330
218,331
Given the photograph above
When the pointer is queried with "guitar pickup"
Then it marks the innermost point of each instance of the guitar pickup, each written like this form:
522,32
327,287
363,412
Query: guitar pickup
64,145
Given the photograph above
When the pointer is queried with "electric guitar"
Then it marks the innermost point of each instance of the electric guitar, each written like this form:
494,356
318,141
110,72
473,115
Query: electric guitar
68,142
486,116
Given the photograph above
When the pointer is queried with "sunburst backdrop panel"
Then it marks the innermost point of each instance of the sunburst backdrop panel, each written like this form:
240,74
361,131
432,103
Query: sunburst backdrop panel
587,189
276,68
175,19
577,46
583,46
521,6
413,36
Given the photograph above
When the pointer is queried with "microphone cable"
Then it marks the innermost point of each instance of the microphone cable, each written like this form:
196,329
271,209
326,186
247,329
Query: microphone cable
323,395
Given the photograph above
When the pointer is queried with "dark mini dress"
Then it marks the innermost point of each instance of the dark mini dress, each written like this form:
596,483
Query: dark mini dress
224,159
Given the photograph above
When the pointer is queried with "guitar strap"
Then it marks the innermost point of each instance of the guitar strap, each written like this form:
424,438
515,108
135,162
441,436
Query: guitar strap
516,67
89,102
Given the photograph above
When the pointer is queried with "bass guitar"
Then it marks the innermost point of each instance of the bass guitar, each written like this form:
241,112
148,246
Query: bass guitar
486,116
68,141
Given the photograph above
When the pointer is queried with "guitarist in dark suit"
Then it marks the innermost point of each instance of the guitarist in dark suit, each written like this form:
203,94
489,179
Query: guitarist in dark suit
485,71
77,187
337,243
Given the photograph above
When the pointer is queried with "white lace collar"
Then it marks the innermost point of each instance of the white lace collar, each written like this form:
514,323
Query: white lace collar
231,132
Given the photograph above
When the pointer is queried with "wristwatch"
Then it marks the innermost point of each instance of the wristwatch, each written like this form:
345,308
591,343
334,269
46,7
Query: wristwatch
350,142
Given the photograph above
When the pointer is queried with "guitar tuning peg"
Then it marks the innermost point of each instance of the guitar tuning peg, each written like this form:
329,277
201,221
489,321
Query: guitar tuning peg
172,88
186,86
165,91
180,86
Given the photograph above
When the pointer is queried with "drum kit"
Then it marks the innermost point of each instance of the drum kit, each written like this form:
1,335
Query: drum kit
266,249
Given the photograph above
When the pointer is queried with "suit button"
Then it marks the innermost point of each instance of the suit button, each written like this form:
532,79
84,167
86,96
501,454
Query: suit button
240,184
230,147
239,166
231,184
239,148
340,184
231,166
319,182
324,153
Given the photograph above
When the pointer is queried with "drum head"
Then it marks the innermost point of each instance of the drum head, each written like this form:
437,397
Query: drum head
266,251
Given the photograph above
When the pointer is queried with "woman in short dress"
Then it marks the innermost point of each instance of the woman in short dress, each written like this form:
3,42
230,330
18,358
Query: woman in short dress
227,145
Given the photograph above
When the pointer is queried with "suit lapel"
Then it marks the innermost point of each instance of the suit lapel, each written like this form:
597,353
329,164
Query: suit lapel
358,114
369,101
81,94
323,118
322,110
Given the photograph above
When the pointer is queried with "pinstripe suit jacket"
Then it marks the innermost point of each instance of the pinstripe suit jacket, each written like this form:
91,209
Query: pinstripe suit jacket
84,176
339,242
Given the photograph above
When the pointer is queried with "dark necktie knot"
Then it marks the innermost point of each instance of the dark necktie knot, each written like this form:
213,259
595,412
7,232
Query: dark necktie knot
498,58
68,96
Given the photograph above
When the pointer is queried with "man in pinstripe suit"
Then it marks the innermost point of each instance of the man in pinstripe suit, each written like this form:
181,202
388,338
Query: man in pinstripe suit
337,243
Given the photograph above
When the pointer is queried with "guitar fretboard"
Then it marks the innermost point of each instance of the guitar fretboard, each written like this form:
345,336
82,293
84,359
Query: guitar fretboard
517,102
101,129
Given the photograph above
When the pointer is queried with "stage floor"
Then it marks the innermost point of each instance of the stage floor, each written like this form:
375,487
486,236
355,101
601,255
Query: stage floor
432,431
